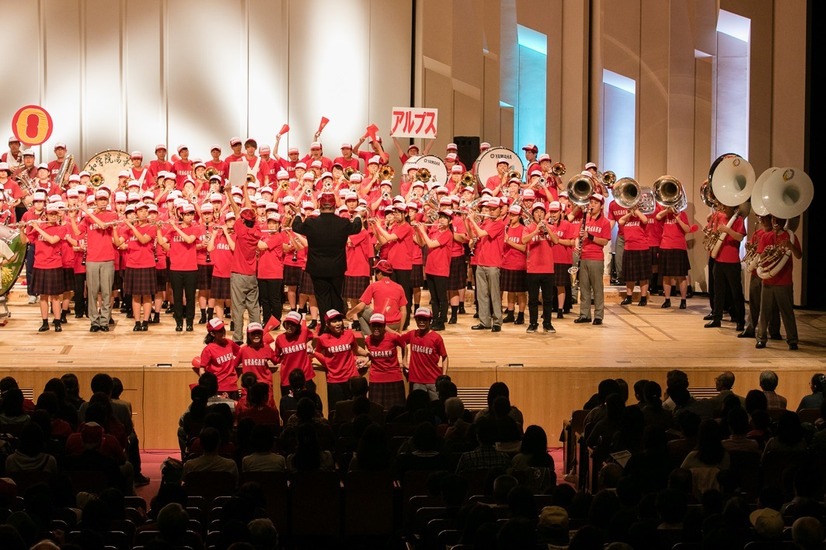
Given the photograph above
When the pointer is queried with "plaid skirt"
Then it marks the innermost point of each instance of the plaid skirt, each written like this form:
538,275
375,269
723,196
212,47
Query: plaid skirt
139,281
292,275
387,394
118,281
161,278
417,276
655,255
354,287
636,265
513,280
674,263
219,289
306,284
48,282
204,277
561,275
69,278
457,279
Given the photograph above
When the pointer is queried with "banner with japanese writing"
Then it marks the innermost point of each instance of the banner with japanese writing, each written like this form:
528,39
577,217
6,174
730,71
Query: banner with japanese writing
414,122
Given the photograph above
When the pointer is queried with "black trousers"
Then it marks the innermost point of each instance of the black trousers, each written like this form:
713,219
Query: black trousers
269,296
328,295
728,288
404,277
183,288
438,297
80,292
29,267
543,282
711,289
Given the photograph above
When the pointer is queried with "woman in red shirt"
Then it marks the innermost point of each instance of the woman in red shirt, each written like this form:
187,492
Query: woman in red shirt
386,380
220,246
336,349
271,267
357,277
257,358
673,261
437,264
292,351
514,267
636,261
181,241
137,239
220,358
48,280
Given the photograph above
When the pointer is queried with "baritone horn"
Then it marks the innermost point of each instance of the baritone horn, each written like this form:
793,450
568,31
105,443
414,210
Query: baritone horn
627,193
64,171
558,169
349,171
580,188
609,178
669,193
209,172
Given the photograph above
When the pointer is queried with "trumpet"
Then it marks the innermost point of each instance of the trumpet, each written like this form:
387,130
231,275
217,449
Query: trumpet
558,169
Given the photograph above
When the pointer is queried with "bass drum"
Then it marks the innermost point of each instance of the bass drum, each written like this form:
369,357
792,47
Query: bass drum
485,165
105,166
12,258
434,165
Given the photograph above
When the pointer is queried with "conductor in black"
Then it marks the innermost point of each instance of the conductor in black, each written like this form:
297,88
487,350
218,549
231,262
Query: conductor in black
326,251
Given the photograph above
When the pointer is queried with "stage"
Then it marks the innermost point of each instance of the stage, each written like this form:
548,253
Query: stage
549,375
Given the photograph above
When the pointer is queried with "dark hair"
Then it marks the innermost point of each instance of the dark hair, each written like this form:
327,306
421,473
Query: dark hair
425,438
485,431
70,382
497,389
373,451
261,439
818,382
307,456
607,387
117,387
32,439
305,409
209,382
755,400
210,439
297,379
248,379
257,394
738,421
789,429
49,402
639,386
535,445
102,382
7,383
56,386
709,447
358,385
12,404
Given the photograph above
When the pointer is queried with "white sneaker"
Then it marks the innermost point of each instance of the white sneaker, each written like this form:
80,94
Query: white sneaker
32,299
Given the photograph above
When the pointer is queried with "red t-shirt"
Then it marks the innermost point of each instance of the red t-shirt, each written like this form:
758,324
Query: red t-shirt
426,351
292,354
221,360
220,167
513,259
246,248
488,252
256,361
359,251
456,248
271,260
221,257
387,298
755,239
156,166
182,255
784,276
615,212
654,232
540,252
399,254
183,169
438,259
384,358
46,254
599,228
140,255
673,236
338,355
99,246
730,249
636,237
564,254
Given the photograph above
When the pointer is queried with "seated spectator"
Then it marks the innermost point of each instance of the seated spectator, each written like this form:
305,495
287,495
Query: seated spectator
102,385
552,528
58,428
768,383
651,466
209,382
299,388
724,384
534,464
308,455
11,407
738,426
788,436
688,424
373,451
756,401
423,451
508,432
500,389
416,410
457,431
263,534
605,388
210,460
344,409
256,407
602,434
485,456
9,382
760,427
814,399
66,410
29,455
708,459
517,532
247,380
653,411
807,532
92,436
674,380
173,527
639,395
262,458
72,385
219,417
307,414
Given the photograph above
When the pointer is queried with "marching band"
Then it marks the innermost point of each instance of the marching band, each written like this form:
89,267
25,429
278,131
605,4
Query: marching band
161,237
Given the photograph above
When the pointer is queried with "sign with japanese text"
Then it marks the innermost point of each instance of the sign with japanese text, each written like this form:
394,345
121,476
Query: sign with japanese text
414,122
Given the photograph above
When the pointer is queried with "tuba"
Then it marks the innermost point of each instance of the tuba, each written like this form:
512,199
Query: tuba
64,171
707,196
730,183
627,193
669,193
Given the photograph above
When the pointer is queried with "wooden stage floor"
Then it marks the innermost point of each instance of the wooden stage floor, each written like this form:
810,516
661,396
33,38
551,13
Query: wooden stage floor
549,374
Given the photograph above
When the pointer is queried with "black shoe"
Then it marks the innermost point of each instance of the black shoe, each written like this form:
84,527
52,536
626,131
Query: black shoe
453,320
44,327
165,304
643,302
313,324
666,304
532,327
480,326
202,320
549,328
104,328
144,326
232,326
141,480
156,318
496,328
682,304
775,337
475,315
137,327
746,334
689,293
509,318
189,326
520,319
597,321
170,310
626,301
94,328
713,324
179,328
129,314
111,321
740,327
438,327
560,315
78,314
116,304
760,345
582,320
708,317
58,327
793,347
461,309
63,317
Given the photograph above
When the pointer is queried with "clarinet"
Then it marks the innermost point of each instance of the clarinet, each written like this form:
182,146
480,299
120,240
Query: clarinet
575,269
208,257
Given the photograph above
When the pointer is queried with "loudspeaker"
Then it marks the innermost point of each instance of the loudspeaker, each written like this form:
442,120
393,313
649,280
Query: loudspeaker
468,149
